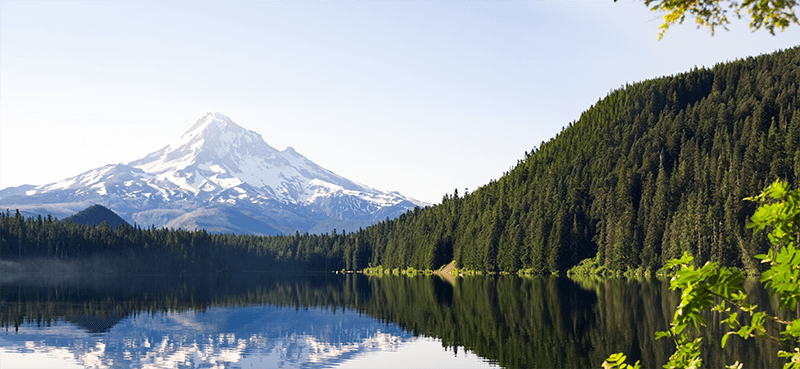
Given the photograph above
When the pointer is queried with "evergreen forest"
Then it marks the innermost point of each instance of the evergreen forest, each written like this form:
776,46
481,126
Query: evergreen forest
654,169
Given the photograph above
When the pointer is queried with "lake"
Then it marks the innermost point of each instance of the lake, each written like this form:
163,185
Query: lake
347,321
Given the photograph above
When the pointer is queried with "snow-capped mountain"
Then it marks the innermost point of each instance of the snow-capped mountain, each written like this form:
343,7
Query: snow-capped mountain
221,177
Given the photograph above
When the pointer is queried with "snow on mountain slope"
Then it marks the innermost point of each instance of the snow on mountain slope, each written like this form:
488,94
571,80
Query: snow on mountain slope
216,155
217,163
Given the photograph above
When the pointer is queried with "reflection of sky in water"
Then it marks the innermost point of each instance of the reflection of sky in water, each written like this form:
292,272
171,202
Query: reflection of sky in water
248,337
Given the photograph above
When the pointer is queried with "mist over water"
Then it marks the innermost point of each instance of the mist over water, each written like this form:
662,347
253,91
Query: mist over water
48,271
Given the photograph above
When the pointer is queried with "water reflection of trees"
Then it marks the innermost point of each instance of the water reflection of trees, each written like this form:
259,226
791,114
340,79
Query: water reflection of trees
535,322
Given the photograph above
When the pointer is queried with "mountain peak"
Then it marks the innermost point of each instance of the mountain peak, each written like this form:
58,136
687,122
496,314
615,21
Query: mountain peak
212,138
208,123
214,130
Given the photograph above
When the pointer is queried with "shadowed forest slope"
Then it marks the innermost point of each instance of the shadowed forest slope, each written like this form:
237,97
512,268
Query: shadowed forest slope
654,169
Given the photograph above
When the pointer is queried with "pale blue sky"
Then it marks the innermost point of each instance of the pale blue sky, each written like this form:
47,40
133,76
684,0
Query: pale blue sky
417,97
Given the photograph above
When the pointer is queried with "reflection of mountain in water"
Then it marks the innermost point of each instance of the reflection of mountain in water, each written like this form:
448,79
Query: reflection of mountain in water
242,337
198,321
305,320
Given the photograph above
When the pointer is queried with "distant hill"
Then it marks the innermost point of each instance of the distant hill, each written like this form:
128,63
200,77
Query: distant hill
95,215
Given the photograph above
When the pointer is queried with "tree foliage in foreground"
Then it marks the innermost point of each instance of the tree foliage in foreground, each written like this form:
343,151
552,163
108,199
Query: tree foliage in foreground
720,289
713,13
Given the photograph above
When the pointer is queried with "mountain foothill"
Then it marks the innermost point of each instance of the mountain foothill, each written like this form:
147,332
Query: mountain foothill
652,170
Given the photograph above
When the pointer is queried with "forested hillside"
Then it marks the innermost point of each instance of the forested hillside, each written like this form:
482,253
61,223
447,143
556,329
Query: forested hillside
653,169
96,215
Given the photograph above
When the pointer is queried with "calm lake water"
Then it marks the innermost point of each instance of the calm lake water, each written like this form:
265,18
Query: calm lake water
346,321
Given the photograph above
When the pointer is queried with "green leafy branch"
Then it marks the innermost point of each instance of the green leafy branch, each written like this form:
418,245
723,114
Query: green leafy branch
780,210
617,361
770,14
